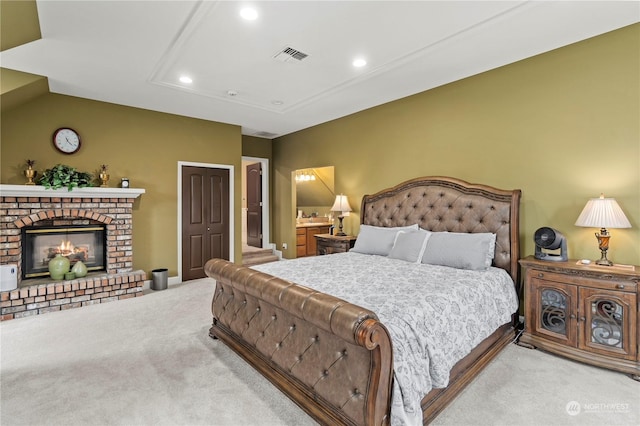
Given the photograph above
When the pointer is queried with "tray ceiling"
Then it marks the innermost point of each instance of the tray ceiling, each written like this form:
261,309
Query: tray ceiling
291,68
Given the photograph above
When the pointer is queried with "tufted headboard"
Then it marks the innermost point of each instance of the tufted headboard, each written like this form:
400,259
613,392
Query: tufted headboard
438,203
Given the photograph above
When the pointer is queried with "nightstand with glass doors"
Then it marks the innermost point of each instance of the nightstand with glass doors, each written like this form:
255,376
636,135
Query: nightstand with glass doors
588,313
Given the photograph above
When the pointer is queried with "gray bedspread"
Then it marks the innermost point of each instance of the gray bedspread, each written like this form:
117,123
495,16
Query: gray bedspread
435,314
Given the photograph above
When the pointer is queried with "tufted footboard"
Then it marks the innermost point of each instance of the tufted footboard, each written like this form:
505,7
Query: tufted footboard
333,358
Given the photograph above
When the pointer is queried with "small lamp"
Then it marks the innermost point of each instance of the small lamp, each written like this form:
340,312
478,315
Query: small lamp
603,213
341,205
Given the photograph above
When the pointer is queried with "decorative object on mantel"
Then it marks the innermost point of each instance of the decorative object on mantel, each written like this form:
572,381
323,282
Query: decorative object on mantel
59,266
62,176
104,176
30,173
79,269
124,182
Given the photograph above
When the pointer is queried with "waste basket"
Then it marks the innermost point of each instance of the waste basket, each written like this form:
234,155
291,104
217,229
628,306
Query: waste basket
159,279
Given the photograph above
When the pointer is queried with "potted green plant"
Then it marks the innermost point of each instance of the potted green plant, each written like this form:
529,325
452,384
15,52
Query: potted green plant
62,176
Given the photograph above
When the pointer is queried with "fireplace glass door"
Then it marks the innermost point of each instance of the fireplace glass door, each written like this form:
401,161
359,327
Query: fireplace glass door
77,243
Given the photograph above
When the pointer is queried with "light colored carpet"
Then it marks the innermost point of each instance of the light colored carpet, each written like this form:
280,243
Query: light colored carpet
143,361
149,361
530,387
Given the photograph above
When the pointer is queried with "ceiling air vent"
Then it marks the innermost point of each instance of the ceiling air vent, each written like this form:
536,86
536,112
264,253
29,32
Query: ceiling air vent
289,54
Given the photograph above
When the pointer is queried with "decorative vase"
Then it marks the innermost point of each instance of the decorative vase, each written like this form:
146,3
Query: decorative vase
80,269
104,178
30,174
58,266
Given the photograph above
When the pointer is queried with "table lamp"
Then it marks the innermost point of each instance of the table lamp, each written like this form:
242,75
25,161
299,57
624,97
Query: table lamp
603,213
341,205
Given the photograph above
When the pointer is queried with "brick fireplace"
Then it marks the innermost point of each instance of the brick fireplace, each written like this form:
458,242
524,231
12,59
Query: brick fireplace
24,206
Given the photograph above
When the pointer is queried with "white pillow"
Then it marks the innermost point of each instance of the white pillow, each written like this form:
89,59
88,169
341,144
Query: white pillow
460,250
410,245
378,240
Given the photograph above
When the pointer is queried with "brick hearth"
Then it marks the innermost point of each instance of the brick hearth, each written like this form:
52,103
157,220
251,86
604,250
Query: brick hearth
22,206
61,295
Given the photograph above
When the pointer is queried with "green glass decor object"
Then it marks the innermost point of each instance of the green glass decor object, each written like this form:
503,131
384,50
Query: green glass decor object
58,266
80,269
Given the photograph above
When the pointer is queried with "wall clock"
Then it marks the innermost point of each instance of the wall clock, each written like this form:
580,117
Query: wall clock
66,140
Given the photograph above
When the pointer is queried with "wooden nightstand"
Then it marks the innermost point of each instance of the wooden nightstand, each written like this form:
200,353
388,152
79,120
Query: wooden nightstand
329,244
584,312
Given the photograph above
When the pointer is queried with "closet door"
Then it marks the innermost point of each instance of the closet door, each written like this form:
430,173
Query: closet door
205,218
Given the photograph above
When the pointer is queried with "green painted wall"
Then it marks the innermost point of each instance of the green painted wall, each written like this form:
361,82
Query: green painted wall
143,145
10,80
18,87
18,23
563,127
256,147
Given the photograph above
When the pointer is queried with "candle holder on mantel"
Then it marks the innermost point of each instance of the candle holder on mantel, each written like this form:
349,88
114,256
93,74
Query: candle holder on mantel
30,173
104,176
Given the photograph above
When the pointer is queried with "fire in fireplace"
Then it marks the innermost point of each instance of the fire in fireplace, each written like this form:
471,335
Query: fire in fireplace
77,243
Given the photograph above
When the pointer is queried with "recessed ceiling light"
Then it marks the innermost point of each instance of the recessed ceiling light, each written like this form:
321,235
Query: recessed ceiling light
358,63
232,93
277,102
186,79
249,13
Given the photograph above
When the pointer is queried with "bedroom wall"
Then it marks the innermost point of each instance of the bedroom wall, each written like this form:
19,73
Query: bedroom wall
563,127
19,87
253,146
143,145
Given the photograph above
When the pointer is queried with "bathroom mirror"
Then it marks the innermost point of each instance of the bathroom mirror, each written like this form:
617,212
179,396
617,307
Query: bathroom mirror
315,190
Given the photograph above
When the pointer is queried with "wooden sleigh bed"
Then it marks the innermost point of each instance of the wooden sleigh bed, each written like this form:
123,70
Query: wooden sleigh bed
335,359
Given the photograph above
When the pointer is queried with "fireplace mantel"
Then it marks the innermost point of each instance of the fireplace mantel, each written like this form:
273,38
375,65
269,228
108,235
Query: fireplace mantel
93,192
22,206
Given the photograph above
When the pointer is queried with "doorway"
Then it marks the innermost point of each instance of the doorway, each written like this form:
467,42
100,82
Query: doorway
205,200
255,203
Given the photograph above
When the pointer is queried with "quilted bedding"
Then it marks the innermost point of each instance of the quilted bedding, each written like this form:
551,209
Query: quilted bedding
435,314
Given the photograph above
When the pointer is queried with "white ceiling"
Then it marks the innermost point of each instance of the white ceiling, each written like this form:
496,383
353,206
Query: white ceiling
133,52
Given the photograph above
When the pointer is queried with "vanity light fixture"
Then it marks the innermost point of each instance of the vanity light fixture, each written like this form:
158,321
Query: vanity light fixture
305,176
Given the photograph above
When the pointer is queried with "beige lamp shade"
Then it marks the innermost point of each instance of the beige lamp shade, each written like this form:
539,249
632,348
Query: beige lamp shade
602,213
341,204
